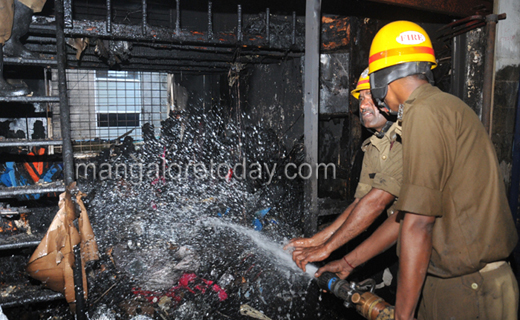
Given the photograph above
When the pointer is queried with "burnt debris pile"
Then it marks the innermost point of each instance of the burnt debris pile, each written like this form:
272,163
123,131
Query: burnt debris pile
189,228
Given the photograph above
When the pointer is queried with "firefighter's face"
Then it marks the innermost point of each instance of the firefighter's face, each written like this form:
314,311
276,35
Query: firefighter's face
370,115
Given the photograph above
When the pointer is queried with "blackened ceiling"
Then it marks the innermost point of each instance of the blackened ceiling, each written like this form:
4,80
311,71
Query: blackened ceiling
428,10
157,44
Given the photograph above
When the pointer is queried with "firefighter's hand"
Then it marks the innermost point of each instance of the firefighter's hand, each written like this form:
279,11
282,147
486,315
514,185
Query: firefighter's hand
339,267
302,256
300,243
316,240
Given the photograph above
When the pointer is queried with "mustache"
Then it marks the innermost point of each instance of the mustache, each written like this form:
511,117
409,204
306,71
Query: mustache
367,111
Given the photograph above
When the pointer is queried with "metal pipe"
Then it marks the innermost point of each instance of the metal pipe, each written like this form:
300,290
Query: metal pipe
310,109
34,299
268,26
161,36
145,16
293,40
210,21
16,191
178,20
515,170
239,24
30,99
209,50
67,6
30,62
489,68
28,143
109,16
68,159
18,245
40,40
78,285
163,62
459,22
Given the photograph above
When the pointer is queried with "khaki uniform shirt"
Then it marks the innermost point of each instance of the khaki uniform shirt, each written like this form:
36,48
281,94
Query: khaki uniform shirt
382,165
450,171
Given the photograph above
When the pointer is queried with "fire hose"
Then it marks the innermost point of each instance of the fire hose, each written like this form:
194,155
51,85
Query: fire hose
359,295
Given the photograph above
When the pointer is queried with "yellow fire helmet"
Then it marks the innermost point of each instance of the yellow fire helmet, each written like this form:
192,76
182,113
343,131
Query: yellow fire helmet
400,42
399,49
362,84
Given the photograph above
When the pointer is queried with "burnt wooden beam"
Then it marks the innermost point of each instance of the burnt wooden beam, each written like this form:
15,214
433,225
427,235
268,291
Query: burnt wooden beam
456,8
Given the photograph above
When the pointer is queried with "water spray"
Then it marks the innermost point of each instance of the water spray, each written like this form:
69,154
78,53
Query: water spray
359,295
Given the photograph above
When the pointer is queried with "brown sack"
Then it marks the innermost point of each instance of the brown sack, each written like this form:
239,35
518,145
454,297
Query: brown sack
52,261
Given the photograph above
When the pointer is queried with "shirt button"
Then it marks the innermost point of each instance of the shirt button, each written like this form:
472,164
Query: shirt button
474,286
384,157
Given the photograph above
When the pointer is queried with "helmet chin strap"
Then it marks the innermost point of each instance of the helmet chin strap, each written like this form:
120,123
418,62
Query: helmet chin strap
383,106
385,128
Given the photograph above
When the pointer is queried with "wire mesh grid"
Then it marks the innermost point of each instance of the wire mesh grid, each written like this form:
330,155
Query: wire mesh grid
107,106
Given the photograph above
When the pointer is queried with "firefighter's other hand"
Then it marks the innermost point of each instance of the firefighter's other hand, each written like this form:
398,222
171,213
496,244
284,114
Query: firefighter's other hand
339,267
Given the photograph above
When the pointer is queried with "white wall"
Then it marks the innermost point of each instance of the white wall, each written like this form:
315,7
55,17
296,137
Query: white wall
508,34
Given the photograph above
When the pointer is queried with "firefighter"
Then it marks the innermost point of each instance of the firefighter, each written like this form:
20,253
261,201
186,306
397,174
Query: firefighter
455,228
379,184
15,19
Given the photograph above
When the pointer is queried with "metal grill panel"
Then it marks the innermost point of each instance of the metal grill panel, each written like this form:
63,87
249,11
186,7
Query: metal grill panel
107,105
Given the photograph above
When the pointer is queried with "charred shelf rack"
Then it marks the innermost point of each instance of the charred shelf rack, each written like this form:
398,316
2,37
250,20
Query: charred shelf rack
174,49
18,294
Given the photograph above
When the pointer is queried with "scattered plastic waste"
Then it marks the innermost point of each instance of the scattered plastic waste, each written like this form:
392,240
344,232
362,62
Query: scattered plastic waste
185,248
262,213
141,317
225,213
257,225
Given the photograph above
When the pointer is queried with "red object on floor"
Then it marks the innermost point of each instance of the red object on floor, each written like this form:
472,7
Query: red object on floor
229,175
184,283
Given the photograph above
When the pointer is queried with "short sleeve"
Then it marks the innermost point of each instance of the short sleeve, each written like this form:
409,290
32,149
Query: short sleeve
365,182
362,190
427,160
